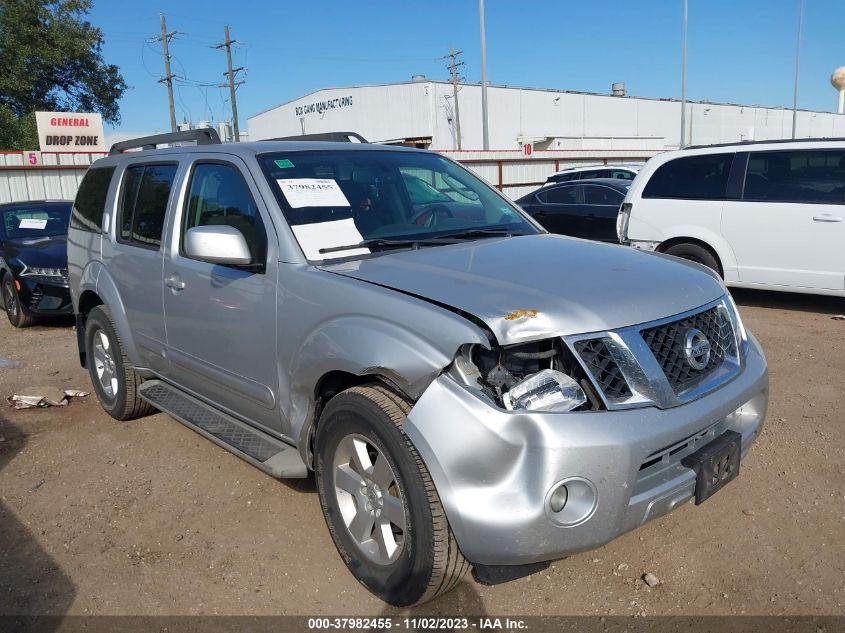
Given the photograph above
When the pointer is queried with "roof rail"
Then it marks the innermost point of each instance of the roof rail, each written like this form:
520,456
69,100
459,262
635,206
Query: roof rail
775,140
202,136
337,137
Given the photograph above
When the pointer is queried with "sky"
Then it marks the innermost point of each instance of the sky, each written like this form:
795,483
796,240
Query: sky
739,51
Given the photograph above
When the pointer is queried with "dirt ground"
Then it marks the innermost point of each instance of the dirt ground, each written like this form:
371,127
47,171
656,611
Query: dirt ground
147,517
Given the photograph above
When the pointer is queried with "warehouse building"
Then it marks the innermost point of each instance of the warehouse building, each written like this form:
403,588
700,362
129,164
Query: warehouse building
422,112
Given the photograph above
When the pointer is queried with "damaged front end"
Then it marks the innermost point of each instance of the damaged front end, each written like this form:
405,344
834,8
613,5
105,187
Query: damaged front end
537,376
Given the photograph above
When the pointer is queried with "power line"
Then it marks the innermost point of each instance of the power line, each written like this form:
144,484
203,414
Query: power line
230,73
453,69
168,76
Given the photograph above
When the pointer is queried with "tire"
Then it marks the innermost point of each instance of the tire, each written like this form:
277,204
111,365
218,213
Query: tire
426,561
115,382
695,253
15,310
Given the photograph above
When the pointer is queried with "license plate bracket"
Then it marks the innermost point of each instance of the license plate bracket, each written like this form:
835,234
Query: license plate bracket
715,465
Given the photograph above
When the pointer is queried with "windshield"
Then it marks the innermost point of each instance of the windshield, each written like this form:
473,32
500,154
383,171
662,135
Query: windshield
35,220
333,199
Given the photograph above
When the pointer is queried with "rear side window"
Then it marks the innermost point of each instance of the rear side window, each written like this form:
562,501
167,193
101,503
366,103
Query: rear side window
623,174
559,195
143,206
87,213
595,173
702,177
814,176
562,177
218,195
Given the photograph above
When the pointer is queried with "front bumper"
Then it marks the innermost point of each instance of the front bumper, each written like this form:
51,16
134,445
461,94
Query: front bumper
45,296
494,470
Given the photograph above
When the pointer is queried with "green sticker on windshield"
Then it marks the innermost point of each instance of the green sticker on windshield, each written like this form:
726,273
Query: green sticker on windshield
283,163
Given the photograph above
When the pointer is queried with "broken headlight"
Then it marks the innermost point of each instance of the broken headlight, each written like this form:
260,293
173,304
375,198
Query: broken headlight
538,376
547,390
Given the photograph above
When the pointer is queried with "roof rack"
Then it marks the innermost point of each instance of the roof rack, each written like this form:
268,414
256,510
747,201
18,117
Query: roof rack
776,140
336,137
202,136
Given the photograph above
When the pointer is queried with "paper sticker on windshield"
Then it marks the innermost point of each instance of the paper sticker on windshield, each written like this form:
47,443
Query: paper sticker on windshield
283,163
32,223
312,192
314,237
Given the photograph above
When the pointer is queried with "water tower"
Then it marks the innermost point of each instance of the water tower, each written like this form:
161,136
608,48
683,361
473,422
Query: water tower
837,80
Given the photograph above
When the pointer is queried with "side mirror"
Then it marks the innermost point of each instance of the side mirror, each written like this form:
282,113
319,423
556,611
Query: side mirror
217,244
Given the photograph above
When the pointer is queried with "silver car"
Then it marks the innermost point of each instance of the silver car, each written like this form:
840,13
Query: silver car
469,391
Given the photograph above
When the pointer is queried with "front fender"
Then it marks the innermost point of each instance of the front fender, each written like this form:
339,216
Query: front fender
372,346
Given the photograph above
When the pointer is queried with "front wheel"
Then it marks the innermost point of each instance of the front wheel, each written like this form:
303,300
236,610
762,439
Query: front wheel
15,312
379,502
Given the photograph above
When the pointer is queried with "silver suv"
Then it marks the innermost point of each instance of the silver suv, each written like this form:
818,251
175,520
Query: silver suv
468,390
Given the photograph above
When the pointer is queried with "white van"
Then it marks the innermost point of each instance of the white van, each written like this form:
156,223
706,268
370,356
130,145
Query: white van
763,214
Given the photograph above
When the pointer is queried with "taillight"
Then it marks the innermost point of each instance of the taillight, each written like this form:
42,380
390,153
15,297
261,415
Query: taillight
622,221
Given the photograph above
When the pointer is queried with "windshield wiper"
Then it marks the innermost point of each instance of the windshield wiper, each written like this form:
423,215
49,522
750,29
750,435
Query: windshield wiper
383,241
482,233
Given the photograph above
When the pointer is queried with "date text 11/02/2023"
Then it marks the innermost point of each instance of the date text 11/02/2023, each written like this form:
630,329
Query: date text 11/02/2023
417,623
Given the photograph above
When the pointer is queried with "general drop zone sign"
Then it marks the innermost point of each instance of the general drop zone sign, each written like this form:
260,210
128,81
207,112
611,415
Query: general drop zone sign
70,132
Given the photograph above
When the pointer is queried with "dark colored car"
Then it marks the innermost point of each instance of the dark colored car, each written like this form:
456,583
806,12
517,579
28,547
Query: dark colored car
582,208
33,260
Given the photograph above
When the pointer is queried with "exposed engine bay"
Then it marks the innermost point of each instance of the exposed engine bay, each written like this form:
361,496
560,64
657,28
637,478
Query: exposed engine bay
543,372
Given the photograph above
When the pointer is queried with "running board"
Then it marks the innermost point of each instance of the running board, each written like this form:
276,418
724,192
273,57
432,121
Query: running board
271,455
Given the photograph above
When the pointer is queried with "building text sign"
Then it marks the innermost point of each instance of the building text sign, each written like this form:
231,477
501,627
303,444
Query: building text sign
70,132
319,107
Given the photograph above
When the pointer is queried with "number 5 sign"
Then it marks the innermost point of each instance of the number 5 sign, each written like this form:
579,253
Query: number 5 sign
31,159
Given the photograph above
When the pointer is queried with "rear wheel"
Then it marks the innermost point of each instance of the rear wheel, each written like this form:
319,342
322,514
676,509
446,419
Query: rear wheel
15,311
695,253
115,382
379,502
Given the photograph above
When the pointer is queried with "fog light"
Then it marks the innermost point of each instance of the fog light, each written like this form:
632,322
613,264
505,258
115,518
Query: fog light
572,501
547,390
558,498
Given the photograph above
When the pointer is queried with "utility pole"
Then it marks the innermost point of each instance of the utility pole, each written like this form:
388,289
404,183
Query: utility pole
797,67
230,73
168,76
453,68
484,129
684,81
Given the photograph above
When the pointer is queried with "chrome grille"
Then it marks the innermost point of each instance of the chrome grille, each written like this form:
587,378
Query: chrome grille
596,355
667,344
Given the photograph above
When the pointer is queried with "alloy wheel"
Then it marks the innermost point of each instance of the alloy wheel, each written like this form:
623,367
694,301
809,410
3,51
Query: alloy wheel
11,302
370,499
104,364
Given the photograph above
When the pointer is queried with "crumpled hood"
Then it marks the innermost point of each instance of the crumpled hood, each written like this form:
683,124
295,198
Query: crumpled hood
539,286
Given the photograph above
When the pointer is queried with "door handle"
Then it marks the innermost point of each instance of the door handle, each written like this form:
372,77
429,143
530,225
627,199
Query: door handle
826,218
175,282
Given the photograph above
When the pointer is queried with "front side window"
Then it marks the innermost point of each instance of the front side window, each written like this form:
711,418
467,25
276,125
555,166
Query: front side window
90,202
594,194
143,206
219,196
703,177
623,174
334,199
810,176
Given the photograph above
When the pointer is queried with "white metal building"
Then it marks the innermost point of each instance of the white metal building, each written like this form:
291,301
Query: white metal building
422,112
